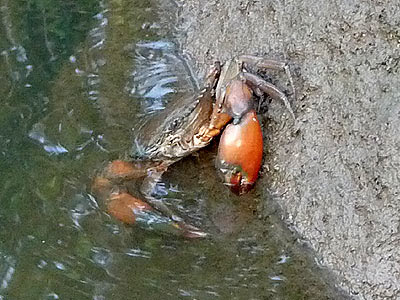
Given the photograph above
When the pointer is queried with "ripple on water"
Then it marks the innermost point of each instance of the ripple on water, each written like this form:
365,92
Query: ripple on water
159,74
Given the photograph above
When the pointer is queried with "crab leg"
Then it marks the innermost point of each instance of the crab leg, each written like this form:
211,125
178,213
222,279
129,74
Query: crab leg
218,118
118,172
110,187
147,189
267,88
213,75
262,63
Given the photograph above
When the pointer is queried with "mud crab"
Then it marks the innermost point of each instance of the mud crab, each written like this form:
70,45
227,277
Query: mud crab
186,127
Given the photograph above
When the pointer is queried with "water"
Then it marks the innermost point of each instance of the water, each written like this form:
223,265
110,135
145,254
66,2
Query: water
76,77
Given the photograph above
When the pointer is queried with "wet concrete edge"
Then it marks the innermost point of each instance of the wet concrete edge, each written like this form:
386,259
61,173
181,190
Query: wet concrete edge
333,171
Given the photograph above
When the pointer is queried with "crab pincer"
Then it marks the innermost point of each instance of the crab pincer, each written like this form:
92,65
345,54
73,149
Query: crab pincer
241,145
131,210
240,153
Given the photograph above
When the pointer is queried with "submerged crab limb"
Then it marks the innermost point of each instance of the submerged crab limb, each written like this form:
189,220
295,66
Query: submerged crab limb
121,171
124,170
130,210
151,214
268,88
114,175
126,208
240,153
110,188
147,189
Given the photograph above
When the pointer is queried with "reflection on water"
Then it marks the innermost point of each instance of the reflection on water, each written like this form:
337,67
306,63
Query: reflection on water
76,76
159,72
37,134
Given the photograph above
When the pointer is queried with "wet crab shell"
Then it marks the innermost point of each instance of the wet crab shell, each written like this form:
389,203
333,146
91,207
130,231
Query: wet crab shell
240,153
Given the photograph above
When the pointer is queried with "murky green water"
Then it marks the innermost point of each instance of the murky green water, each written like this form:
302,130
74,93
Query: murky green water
75,78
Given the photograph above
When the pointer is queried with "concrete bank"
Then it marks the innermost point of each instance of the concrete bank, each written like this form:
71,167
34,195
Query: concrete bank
334,172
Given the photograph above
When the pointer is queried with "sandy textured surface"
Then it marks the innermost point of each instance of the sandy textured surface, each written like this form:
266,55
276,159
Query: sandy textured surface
335,171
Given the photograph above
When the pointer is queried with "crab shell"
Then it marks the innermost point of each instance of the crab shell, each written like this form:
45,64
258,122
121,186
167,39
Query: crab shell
240,153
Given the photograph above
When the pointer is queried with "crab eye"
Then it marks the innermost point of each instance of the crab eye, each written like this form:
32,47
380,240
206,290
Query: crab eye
175,124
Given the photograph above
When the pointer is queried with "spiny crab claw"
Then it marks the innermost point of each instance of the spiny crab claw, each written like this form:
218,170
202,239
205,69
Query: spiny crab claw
240,153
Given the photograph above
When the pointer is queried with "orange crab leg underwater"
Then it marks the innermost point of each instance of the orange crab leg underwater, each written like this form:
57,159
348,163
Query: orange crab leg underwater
124,207
240,153
124,170
128,209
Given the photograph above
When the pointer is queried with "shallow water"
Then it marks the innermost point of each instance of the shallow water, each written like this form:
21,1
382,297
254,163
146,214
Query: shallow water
76,78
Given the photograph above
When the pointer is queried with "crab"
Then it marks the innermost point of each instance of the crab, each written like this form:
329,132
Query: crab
187,126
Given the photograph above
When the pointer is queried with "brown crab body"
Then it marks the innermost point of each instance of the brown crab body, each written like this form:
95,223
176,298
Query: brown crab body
175,132
187,125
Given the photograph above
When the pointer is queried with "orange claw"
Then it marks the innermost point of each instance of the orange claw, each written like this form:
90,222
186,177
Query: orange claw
123,207
240,153
236,101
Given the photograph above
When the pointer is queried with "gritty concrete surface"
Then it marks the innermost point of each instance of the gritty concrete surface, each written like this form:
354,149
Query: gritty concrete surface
335,171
